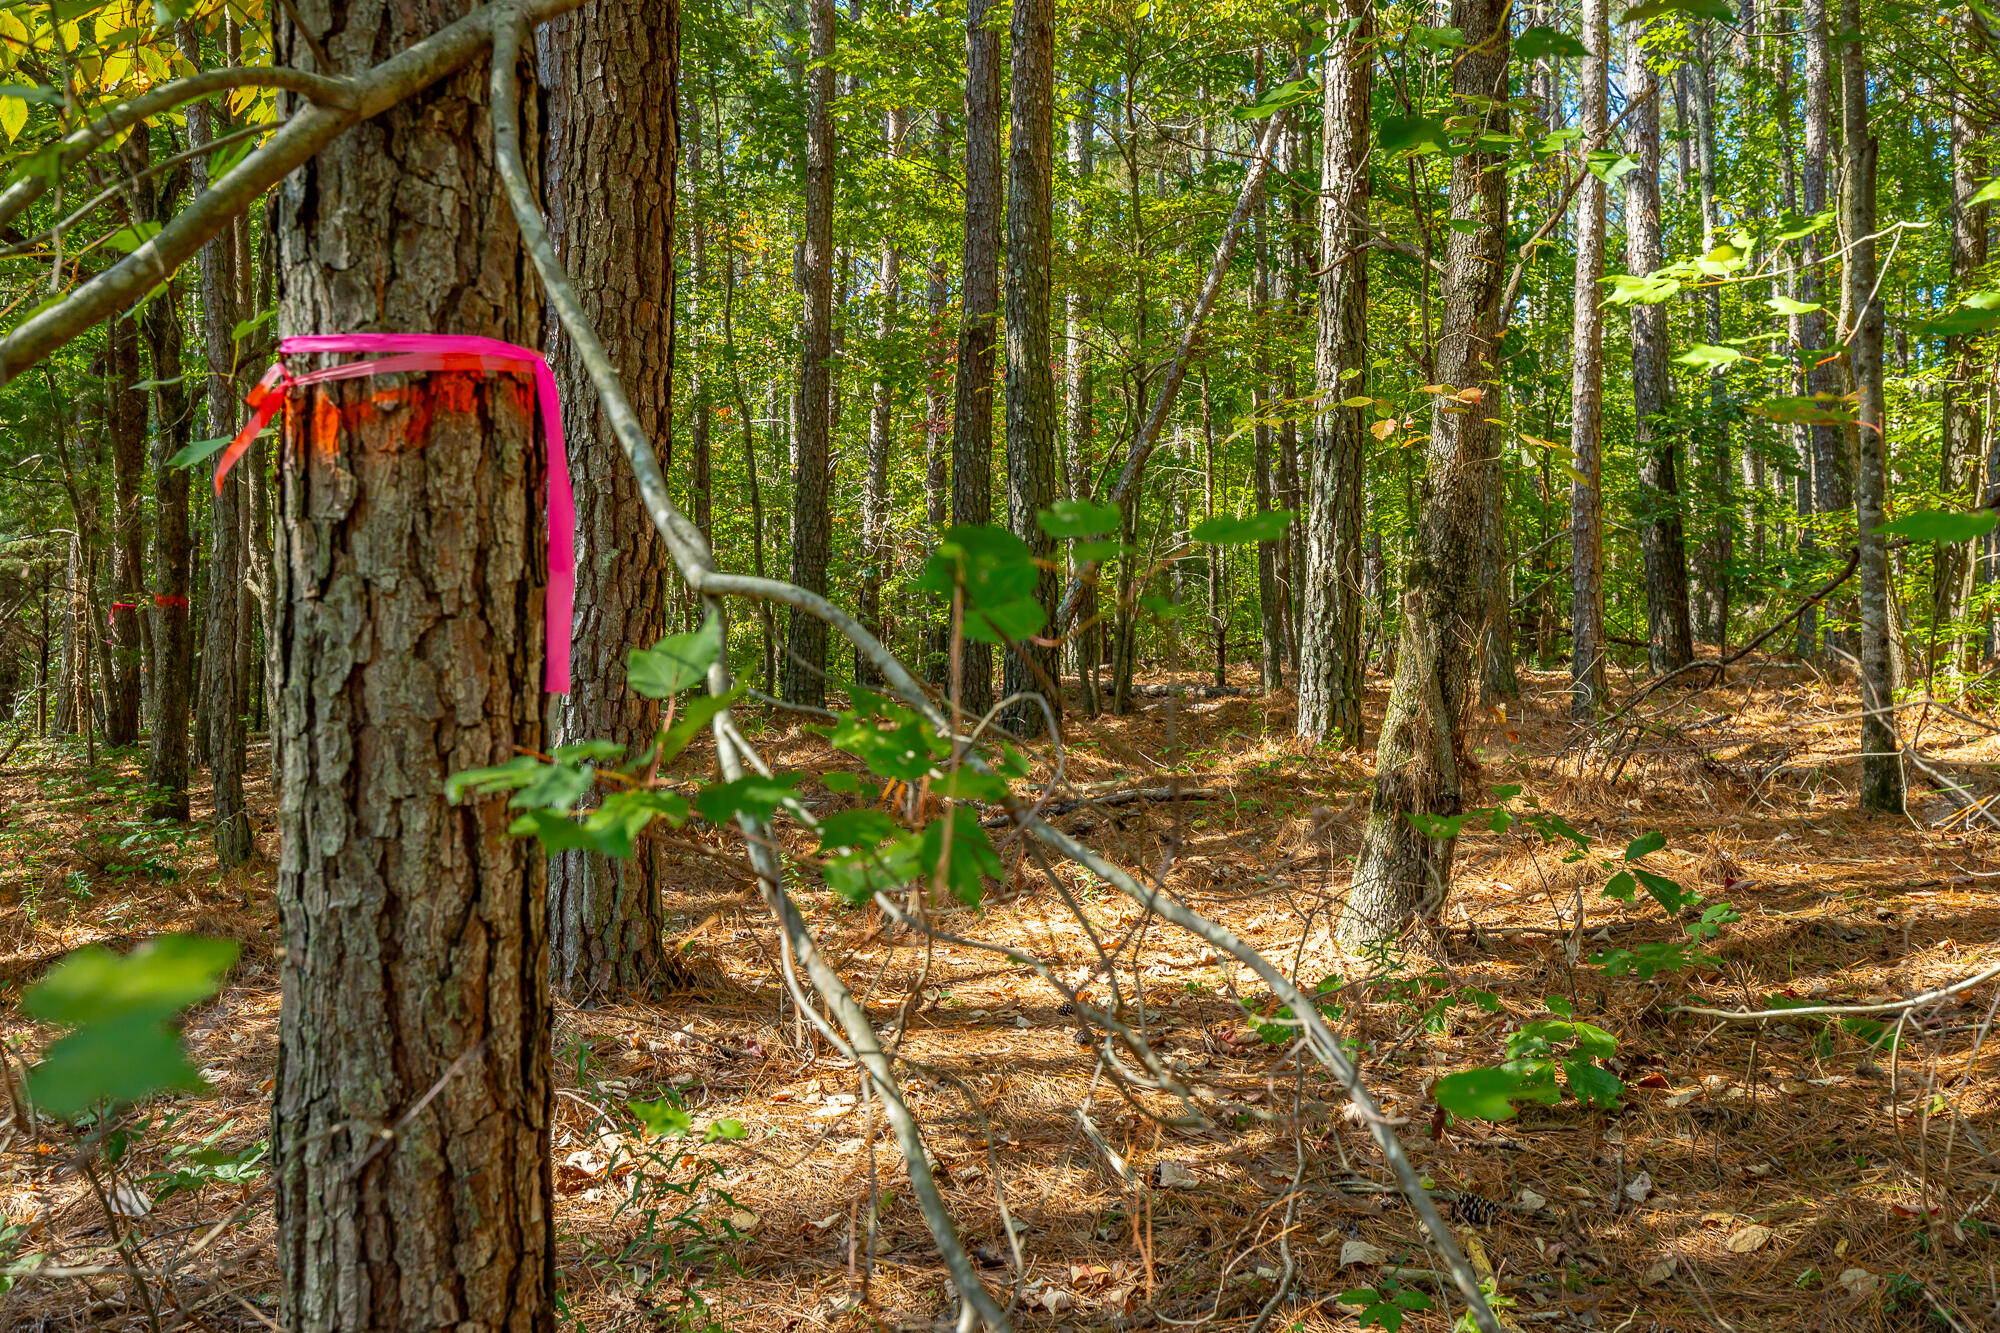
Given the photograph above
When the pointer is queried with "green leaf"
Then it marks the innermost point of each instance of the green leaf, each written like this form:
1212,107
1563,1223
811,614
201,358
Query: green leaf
249,326
1967,321
1645,844
999,576
862,829
675,662
1938,525
1101,551
1558,1004
1717,10
1411,134
755,796
1986,193
907,752
517,772
1278,98
966,783
596,751
1478,1094
1785,305
1536,42
118,1061
127,239
556,787
1437,39
662,1119
720,1130
695,715
156,980
1668,894
1077,518
198,452
1611,166
1821,409
1264,525
1412,1300
1592,1084
1627,289
858,875
1703,355
1713,918
971,859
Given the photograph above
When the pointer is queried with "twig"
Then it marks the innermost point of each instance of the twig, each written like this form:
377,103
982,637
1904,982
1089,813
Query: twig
1816,1010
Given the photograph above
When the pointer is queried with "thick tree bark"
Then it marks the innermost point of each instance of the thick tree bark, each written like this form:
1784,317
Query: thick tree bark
1330,652
1669,635
1964,390
1586,433
804,670
979,309
1422,766
1031,386
411,1120
1881,744
125,431
611,70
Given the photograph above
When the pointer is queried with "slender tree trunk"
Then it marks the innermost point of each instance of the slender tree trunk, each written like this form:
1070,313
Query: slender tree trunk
937,447
1218,617
1031,387
1717,550
1832,489
1271,601
1586,434
1881,746
221,738
692,310
875,494
979,310
173,549
1288,262
125,431
410,646
1331,656
613,140
1498,679
804,671
1964,392
1670,637
1422,766
1082,644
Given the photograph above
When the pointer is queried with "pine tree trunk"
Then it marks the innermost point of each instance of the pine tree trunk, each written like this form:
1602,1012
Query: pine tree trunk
125,432
409,641
1498,679
691,311
613,139
1271,601
1082,643
1964,391
937,444
1031,386
1832,489
875,491
173,550
1330,656
1881,744
979,309
1718,549
804,668
1422,765
1670,637
1588,692
221,739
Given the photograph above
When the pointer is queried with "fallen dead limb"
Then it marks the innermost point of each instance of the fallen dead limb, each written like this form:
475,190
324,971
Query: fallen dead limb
1129,797
1840,1010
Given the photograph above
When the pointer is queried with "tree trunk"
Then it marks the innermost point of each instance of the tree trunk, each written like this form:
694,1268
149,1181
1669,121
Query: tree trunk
875,491
1832,489
691,310
409,640
1031,386
1082,644
1718,549
1498,679
221,738
1271,601
173,549
1330,656
1586,433
612,113
804,670
979,308
125,431
1422,766
1881,745
937,448
1964,391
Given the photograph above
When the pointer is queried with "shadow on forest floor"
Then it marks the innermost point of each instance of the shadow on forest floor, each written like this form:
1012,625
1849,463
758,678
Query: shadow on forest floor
1790,1179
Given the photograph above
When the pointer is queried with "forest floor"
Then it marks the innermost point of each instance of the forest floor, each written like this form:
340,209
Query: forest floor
1801,1176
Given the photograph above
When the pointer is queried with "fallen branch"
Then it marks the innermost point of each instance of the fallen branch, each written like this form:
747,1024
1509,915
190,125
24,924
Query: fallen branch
1818,1010
1129,797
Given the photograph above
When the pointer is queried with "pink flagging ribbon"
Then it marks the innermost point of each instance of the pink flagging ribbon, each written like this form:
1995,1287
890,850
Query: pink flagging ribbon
439,351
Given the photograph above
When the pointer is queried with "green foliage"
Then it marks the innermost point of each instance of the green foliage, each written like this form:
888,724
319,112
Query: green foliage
1536,1053
121,1008
675,662
1935,525
996,571
1385,1304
